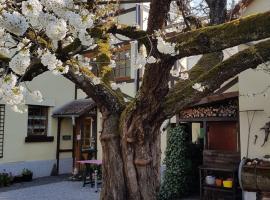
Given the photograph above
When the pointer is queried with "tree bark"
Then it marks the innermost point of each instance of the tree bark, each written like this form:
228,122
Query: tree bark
113,181
141,156
218,11
131,157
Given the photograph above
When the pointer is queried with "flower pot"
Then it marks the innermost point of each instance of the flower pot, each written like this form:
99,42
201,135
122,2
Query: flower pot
227,184
218,182
210,180
27,177
17,179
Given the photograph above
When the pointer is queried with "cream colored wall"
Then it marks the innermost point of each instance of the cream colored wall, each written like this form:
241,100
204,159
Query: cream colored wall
256,6
56,91
250,82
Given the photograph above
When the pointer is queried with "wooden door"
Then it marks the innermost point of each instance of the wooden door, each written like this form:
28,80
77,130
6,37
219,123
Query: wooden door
223,136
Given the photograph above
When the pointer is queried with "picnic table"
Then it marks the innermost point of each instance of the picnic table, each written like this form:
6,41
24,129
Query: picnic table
88,171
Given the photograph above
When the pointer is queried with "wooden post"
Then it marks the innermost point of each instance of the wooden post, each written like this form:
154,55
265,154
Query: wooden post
58,143
73,141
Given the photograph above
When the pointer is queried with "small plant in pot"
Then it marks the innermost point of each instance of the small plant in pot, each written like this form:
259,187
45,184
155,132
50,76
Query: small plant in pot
27,175
5,179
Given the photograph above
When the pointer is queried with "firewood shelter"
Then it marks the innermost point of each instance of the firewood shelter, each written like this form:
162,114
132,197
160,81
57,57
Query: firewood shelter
213,121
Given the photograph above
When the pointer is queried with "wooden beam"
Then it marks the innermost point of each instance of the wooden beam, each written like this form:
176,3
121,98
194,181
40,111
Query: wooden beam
65,150
125,2
227,86
58,143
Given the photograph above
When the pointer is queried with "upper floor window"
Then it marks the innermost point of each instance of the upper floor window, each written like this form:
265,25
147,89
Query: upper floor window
2,121
37,120
122,69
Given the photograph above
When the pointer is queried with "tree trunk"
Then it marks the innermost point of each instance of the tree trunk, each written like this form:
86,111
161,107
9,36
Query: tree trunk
113,180
131,165
141,157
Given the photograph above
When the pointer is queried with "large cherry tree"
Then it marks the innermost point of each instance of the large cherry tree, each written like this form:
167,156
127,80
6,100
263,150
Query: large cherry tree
40,35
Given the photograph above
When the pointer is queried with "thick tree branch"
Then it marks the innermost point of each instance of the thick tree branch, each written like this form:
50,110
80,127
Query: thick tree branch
130,32
183,95
217,38
158,14
102,94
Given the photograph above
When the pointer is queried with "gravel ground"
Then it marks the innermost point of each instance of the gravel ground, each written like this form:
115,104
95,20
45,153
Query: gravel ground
66,190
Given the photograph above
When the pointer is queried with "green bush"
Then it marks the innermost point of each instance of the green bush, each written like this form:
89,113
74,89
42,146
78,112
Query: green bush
177,177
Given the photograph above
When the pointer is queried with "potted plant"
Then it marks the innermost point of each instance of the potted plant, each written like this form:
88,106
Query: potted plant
27,175
5,179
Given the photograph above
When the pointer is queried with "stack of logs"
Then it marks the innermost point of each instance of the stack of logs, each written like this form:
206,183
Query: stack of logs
228,109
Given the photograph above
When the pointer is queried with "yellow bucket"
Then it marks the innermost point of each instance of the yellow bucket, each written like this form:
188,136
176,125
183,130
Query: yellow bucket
227,184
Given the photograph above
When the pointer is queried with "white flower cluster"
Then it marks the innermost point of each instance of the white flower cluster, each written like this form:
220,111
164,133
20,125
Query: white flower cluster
14,94
10,93
56,66
13,22
199,87
21,60
166,47
141,61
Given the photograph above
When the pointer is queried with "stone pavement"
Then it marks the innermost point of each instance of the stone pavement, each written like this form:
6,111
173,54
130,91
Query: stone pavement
49,189
52,188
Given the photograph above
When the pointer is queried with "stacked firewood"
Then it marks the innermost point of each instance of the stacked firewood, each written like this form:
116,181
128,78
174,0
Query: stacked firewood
230,109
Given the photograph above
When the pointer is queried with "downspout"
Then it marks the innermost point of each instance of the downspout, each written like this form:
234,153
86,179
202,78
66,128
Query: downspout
73,140
137,72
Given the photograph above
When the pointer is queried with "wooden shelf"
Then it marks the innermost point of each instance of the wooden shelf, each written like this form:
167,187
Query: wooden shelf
217,188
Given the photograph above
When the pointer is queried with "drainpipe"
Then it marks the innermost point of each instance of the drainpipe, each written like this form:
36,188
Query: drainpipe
137,72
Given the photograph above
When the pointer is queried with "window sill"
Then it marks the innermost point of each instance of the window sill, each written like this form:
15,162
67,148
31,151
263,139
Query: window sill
39,138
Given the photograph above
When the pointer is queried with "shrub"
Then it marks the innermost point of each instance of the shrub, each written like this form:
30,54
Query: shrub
177,178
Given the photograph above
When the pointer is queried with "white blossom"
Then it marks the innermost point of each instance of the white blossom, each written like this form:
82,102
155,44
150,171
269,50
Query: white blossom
48,59
57,30
31,8
175,72
36,95
151,60
140,61
60,69
112,64
8,81
14,96
20,108
20,62
85,38
96,80
166,47
14,23
114,86
199,87
184,76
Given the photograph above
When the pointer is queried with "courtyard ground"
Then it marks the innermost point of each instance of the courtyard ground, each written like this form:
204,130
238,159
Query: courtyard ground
51,188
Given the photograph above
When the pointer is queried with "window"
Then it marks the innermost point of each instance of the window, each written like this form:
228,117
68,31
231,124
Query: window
122,69
2,121
37,120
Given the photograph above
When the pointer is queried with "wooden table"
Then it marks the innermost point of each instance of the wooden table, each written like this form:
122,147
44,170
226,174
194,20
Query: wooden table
88,171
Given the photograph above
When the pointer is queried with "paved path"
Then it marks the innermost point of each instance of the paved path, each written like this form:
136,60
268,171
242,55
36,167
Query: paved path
52,188
64,190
